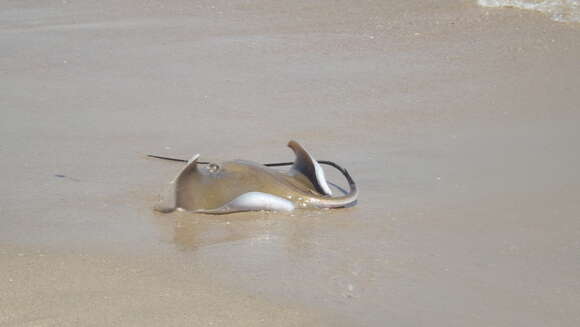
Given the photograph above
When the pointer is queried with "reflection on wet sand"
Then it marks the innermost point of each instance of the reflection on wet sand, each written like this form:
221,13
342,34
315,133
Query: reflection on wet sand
294,231
192,231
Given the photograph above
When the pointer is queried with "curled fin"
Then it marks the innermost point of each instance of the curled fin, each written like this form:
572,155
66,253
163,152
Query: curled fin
168,200
306,165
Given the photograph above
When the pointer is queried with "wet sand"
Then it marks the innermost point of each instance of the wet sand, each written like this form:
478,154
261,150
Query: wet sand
458,123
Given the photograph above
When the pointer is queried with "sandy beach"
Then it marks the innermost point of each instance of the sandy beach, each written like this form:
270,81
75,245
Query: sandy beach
458,122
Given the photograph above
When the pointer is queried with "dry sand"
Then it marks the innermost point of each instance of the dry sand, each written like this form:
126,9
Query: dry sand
460,125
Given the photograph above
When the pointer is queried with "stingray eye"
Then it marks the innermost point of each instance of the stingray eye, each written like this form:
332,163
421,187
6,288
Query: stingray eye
213,168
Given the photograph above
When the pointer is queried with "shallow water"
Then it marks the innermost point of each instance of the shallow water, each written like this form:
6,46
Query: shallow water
557,10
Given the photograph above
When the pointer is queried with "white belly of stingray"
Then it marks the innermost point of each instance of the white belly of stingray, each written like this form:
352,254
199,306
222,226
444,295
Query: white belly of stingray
254,201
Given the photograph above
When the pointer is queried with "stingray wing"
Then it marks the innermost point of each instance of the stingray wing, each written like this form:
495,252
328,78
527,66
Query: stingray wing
168,201
306,165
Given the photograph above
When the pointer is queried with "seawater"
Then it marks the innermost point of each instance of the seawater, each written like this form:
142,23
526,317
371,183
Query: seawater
558,10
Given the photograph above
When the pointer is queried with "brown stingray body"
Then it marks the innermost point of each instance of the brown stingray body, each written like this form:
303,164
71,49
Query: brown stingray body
215,188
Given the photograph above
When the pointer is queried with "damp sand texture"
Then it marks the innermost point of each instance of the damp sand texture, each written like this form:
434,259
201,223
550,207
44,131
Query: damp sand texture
458,122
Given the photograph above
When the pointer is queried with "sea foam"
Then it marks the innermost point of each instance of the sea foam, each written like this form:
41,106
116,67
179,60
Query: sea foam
558,10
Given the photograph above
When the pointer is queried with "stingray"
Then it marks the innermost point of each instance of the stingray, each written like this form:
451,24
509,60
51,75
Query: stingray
241,185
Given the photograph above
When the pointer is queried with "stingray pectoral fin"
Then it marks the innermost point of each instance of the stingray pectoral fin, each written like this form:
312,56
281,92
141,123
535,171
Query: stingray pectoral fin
168,197
167,202
254,201
306,164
